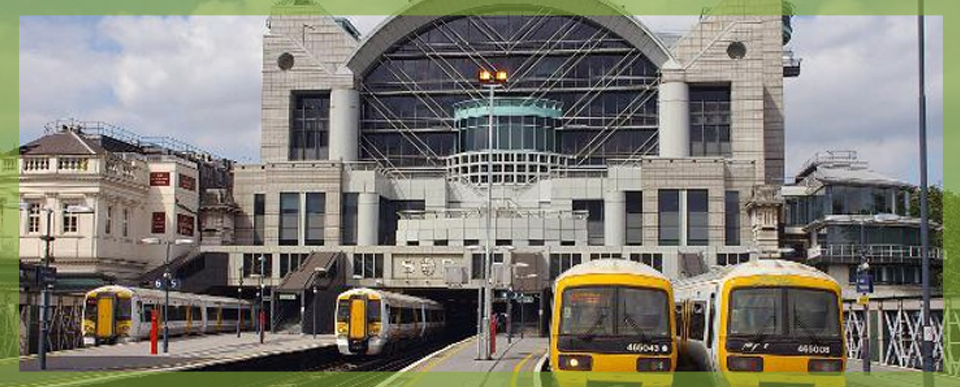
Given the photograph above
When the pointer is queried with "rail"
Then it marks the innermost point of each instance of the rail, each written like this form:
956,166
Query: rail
849,251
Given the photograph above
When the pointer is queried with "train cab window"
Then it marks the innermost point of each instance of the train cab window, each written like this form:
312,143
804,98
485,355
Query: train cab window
756,312
697,321
373,310
90,308
587,311
124,309
343,310
712,314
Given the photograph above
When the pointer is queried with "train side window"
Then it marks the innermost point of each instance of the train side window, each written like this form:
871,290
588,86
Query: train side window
679,320
713,298
697,321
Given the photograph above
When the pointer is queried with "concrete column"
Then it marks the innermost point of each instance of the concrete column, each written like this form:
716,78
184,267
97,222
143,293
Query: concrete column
683,217
674,112
344,124
368,218
614,218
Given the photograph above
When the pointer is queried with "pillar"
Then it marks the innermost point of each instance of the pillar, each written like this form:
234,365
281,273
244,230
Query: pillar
368,219
344,124
614,218
674,112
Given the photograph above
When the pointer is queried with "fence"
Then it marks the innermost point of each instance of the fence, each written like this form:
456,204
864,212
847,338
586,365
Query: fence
896,333
65,322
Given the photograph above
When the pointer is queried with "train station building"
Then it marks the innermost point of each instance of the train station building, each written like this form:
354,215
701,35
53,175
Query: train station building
380,167
608,140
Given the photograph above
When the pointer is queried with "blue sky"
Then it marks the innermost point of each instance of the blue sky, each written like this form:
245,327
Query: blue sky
198,79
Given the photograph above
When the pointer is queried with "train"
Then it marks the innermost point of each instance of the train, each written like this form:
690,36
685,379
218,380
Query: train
615,319
769,316
371,322
114,314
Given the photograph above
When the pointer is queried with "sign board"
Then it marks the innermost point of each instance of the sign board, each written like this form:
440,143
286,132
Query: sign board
864,283
46,275
187,182
863,300
525,299
287,296
159,179
158,283
159,223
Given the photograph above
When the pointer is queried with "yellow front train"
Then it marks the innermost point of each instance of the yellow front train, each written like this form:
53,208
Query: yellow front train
370,321
118,313
613,318
763,323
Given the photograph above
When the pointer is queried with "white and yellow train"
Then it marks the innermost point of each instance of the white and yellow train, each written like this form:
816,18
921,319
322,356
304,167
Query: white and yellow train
752,323
614,318
370,321
118,313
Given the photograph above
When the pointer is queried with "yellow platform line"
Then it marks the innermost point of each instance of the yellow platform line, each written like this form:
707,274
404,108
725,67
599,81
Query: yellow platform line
518,368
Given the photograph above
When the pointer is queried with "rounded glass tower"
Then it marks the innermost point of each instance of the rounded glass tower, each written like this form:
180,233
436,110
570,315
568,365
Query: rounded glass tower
524,140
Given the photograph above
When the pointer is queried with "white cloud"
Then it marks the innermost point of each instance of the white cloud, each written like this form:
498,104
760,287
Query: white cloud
858,91
198,79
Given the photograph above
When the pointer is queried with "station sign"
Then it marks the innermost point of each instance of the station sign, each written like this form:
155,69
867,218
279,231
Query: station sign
46,275
864,283
287,296
525,299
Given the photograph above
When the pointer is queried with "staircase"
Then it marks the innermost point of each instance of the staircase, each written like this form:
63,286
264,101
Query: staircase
147,280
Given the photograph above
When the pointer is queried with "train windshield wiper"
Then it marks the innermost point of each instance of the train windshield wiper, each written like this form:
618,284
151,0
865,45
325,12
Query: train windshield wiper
589,335
636,328
811,334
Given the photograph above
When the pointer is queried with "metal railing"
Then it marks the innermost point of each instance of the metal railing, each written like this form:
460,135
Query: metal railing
872,251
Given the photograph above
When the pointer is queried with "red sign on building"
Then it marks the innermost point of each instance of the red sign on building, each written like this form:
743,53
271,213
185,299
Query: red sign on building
159,223
159,179
185,225
188,183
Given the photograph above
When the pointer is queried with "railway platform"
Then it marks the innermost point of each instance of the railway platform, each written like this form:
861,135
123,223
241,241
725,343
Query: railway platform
185,353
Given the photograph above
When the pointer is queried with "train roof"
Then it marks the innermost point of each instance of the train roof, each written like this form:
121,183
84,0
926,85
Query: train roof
161,293
755,268
390,296
611,266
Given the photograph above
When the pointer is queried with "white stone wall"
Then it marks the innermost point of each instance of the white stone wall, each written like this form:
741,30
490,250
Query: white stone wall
320,48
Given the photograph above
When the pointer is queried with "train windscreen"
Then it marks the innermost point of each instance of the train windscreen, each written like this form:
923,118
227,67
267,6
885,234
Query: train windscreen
343,311
614,311
784,312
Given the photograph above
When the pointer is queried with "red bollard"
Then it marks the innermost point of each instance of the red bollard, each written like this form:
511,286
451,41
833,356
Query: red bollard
153,332
493,334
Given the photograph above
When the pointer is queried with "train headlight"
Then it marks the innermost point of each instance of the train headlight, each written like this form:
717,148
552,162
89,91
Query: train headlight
575,362
653,365
374,328
825,365
745,363
342,328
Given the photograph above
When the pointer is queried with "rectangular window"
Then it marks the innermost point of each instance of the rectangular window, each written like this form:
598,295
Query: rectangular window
732,218
698,226
315,217
367,266
126,223
561,262
535,242
654,260
634,227
594,210
289,219
441,242
33,218
253,264
348,223
309,122
710,121
259,215
669,217
471,242
290,263
185,225
71,222
726,259
504,242
108,225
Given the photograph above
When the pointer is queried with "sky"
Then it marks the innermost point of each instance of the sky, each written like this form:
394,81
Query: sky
197,79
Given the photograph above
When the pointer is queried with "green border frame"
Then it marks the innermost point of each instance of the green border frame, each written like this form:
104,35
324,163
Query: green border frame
11,10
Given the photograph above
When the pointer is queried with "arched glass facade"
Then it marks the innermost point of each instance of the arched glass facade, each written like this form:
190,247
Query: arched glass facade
606,86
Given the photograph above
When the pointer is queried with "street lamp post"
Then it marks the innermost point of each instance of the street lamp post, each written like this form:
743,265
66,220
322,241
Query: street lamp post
45,287
239,301
926,347
167,278
492,80
263,295
864,333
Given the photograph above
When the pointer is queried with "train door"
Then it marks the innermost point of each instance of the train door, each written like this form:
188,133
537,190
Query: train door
423,319
189,317
358,318
106,312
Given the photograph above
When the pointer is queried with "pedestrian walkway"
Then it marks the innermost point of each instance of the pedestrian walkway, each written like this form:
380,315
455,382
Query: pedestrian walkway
185,353
512,365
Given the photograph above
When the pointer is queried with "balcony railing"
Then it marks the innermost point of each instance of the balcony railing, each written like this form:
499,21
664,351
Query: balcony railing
851,252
